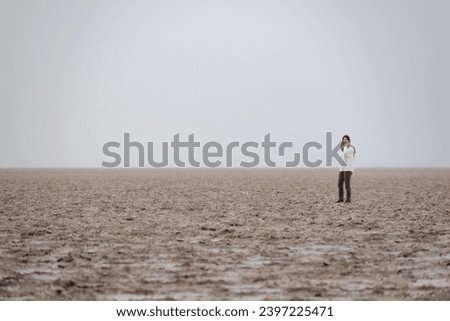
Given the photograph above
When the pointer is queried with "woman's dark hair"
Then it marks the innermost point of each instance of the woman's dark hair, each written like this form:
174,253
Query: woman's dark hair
349,140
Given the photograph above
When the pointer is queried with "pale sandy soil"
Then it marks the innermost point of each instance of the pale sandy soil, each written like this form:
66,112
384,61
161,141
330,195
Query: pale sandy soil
224,235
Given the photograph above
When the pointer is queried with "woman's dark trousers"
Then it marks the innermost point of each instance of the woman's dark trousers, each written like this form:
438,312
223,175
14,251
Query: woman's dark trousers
344,178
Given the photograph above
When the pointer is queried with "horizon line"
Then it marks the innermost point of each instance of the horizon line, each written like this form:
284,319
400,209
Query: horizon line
222,168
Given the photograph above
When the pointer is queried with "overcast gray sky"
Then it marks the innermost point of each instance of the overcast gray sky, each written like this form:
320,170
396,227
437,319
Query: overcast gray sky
77,74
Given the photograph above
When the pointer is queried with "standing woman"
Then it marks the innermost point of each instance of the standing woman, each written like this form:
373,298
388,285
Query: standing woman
347,153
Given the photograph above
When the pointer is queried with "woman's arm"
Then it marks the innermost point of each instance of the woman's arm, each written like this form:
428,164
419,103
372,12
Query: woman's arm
350,151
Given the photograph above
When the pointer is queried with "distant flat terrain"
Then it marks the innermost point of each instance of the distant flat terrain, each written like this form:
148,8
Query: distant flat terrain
224,235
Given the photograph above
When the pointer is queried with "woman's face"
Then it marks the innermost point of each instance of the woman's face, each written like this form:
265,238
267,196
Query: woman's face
345,139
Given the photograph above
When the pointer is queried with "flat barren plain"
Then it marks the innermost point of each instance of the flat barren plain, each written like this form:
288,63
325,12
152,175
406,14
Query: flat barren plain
97,234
